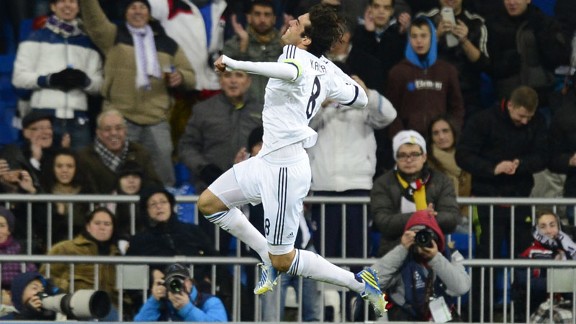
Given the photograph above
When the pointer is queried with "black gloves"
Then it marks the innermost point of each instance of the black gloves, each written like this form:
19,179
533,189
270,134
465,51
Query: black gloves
210,173
68,79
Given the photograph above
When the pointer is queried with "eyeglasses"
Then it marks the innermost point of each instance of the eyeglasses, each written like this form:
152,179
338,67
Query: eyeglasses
406,156
155,204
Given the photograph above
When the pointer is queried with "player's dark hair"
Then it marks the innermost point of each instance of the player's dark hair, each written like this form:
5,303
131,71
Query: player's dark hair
326,27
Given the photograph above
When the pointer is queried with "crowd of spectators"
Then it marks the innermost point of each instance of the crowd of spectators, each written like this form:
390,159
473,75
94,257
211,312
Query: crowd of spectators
473,107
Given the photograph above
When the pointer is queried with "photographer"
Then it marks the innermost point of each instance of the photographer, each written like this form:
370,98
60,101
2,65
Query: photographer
25,291
420,282
175,298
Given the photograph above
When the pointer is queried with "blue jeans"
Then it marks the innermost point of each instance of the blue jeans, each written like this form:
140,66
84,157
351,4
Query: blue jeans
158,141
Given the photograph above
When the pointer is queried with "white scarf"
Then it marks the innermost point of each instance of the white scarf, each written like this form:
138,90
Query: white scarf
146,56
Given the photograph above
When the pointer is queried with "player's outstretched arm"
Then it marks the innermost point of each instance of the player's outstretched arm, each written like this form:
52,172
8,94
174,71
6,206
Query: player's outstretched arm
283,71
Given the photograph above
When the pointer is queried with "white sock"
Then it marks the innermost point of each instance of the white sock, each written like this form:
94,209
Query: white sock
311,265
235,222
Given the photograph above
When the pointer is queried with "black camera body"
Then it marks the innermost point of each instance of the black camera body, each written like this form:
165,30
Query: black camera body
424,238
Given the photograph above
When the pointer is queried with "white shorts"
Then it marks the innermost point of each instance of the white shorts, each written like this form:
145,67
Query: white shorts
280,181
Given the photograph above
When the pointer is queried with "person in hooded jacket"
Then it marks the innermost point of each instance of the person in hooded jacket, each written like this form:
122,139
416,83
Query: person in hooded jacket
422,86
25,291
419,273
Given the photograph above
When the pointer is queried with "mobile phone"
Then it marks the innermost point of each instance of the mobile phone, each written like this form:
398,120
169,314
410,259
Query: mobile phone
448,15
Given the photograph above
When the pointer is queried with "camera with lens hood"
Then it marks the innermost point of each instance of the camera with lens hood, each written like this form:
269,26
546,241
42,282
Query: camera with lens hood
174,284
176,275
424,238
83,304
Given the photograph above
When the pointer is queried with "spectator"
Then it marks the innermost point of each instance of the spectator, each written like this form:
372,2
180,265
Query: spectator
63,175
442,139
410,187
550,243
98,239
357,61
60,65
25,291
199,34
525,47
421,271
469,55
218,128
8,246
176,298
130,178
502,148
382,36
142,65
37,146
421,86
15,181
111,150
259,42
343,165
165,235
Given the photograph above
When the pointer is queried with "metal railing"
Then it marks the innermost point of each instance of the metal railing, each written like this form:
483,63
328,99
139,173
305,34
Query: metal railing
506,265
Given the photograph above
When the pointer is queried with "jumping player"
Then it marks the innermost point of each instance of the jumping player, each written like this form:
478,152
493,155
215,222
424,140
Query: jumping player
279,176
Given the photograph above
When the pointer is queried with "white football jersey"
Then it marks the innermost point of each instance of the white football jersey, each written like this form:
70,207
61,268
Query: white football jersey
290,105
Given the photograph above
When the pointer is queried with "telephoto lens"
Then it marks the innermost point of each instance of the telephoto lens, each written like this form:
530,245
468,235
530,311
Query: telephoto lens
82,304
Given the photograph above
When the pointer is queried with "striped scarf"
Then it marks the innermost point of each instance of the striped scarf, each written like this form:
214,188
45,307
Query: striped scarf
111,160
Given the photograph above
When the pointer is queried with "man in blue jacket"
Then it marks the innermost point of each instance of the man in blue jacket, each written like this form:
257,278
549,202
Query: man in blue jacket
175,298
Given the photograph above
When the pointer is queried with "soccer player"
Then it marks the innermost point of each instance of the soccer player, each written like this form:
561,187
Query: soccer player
279,176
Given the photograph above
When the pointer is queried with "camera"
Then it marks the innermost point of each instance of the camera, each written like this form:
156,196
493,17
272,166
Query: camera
424,238
176,275
174,284
82,304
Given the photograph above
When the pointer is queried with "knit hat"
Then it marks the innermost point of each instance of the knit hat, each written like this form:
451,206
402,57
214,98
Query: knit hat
19,284
34,116
7,214
130,167
422,219
407,137
127,4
